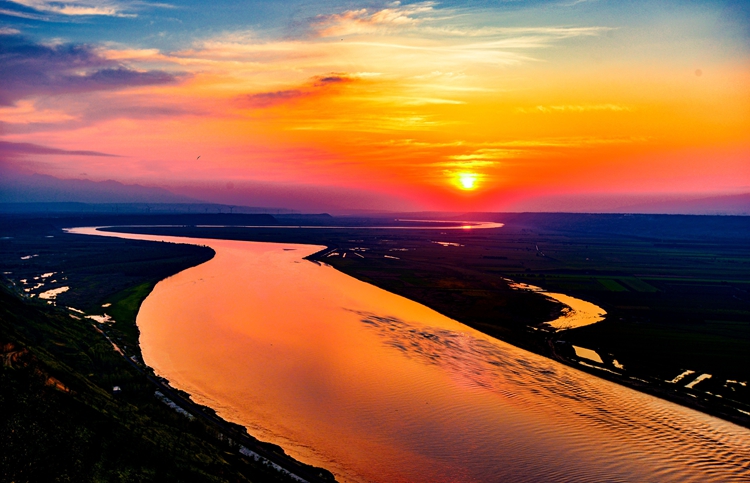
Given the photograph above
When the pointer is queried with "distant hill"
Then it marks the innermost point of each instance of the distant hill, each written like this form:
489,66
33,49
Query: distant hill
644,203
66,208
40,188
714,205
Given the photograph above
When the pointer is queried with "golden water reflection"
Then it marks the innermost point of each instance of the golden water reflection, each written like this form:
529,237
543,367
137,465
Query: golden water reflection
378,388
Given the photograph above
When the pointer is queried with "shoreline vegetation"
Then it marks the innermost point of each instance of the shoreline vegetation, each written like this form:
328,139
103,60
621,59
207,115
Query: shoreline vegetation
410,263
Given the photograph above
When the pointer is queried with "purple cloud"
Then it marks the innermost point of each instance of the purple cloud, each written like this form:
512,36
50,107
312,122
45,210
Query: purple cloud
31,68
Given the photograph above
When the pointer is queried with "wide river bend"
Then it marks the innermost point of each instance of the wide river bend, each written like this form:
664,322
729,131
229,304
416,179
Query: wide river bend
378,388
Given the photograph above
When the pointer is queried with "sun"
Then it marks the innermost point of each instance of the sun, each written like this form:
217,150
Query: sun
467,181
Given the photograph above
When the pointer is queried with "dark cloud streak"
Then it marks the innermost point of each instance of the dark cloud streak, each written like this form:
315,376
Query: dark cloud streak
332,79
316,86
10,149
268,99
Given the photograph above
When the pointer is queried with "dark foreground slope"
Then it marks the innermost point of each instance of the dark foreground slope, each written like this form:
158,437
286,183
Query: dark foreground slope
61,421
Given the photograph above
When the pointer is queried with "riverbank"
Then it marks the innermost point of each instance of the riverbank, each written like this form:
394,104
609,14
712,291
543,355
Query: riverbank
61,421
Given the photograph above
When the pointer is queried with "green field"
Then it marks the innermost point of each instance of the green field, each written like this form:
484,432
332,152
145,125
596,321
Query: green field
612,285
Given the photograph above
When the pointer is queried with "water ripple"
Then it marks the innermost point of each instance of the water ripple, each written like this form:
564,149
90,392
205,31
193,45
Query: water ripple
677,443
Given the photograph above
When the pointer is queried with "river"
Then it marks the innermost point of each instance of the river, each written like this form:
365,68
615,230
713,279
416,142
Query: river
378,388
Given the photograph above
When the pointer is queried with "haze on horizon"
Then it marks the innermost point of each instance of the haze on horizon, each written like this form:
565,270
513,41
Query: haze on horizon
457,106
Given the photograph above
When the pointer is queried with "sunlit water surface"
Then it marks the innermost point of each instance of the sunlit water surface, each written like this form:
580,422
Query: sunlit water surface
377,388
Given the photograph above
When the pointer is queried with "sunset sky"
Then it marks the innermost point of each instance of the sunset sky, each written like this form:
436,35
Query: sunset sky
381,105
